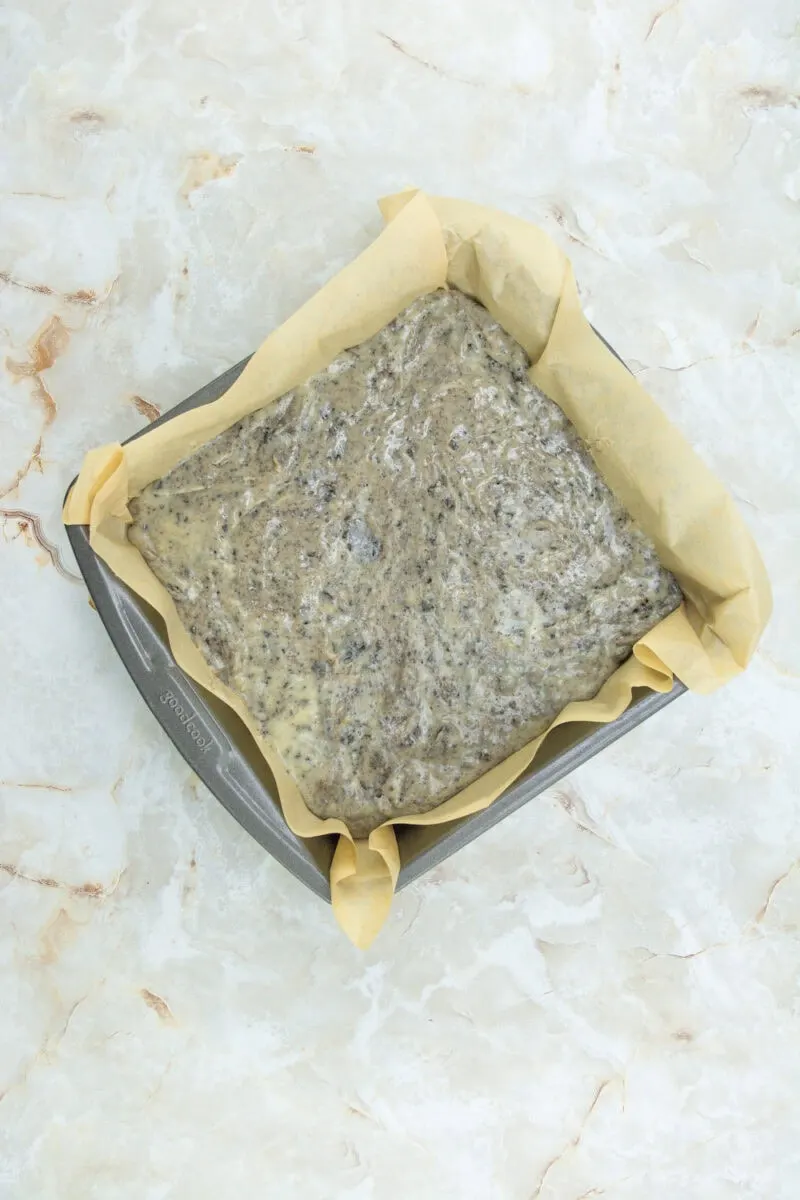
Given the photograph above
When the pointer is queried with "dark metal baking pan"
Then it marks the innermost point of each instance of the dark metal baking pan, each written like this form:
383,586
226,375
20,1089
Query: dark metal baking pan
218,747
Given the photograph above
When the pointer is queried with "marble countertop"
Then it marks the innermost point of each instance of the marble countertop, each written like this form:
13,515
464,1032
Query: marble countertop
601,996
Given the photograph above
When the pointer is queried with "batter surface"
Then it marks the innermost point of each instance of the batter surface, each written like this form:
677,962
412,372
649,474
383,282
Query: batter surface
406,567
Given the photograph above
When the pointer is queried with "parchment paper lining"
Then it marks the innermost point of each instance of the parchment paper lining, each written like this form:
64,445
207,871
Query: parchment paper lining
527,284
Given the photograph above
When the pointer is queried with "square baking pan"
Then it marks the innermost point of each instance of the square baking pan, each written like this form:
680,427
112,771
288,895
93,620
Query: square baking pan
219,748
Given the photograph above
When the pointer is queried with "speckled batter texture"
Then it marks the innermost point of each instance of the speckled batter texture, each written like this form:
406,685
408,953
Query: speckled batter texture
406,567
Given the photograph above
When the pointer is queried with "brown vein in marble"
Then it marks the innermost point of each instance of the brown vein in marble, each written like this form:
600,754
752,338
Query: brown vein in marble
86,295
81,296
613,88
48,1047
302,148
662,12
190,882
161,1080
573,806
748,134
685,957
560,217
753,326
30,522
361,1114
694,953
694,363
59,932
205,167
413,920
50,343
359,1108
41,289
762,912
769,96
34,460
87,116
38,787
46,400
151,411
158,1005
574,1142
774,344
423,62
40,195
95,891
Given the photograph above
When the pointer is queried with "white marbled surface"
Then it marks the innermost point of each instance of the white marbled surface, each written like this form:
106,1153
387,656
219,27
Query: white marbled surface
601,997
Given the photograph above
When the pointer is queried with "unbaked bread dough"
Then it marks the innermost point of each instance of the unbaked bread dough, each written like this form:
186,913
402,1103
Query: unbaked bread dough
406,567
